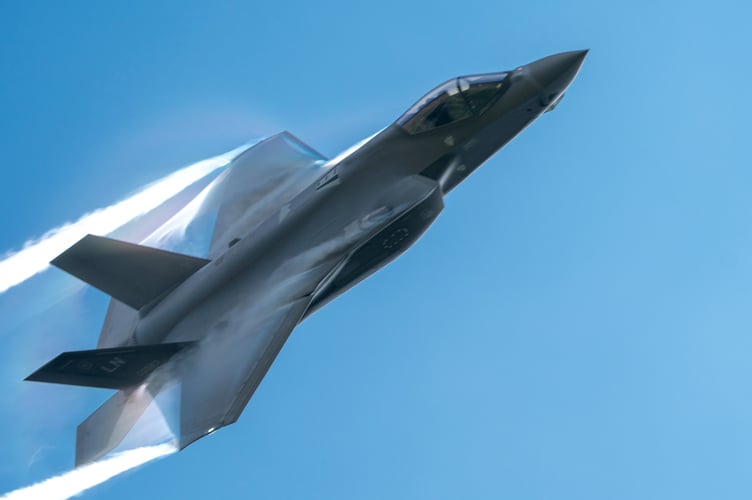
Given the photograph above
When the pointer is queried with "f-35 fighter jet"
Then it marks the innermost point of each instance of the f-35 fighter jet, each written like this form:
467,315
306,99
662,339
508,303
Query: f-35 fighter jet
282,247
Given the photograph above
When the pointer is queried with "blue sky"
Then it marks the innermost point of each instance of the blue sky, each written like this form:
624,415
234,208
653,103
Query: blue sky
575,325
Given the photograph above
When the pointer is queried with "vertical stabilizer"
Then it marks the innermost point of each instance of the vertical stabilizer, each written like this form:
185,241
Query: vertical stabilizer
135,275
118,326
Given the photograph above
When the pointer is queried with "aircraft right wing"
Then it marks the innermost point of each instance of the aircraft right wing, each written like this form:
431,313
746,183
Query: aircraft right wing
220,376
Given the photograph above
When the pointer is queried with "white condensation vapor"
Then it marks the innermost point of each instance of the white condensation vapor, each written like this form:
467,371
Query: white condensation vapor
35,256
78,480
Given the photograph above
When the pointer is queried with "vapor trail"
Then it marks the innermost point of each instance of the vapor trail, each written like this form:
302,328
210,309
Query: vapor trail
78,480
17,267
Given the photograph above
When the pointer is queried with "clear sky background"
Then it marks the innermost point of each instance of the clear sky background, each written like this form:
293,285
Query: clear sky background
576,324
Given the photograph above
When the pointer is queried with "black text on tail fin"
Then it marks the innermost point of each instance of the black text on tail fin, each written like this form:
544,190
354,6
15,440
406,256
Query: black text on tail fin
115,368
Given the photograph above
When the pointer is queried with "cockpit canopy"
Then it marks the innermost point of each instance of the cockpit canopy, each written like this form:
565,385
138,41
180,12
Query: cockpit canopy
454,100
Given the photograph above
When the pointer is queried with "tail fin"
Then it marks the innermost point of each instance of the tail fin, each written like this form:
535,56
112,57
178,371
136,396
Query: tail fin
126,368
115,368
134,274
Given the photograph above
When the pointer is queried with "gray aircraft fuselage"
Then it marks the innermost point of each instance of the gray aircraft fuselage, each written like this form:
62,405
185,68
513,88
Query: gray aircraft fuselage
236,310
395,177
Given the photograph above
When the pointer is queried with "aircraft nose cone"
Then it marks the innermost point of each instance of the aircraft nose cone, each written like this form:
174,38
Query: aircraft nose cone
559,67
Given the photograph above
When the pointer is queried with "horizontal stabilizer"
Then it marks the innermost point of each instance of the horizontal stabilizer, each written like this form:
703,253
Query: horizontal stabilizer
133,274
106,428
114,368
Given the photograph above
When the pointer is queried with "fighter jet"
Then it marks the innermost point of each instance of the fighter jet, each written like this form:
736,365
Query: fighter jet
281,248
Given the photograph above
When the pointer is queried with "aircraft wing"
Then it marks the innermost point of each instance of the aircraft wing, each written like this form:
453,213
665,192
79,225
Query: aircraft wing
260,181
220,376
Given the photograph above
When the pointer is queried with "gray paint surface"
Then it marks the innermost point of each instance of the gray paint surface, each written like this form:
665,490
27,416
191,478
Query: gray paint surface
281,249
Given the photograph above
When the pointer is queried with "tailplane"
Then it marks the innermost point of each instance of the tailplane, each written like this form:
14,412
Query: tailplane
105,429
129,369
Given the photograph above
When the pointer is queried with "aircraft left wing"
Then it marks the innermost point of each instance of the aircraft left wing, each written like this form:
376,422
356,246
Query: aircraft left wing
259,182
